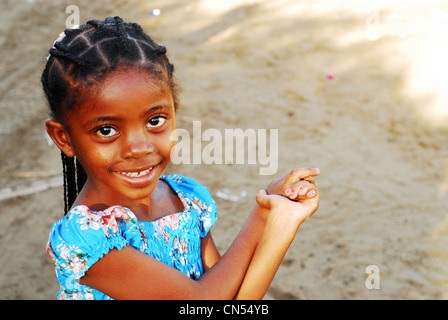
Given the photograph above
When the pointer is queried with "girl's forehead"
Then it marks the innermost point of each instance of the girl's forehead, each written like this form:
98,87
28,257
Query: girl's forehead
133,80
127,90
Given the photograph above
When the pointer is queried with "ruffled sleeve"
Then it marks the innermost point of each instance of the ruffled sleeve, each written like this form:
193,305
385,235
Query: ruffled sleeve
197,197
82,237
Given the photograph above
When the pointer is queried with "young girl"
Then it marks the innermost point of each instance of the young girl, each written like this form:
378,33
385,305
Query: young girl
129,232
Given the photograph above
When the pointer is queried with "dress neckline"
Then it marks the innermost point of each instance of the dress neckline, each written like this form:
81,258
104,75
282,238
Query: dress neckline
111,208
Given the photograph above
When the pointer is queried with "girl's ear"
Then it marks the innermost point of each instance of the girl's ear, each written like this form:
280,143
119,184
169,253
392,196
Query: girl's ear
59,135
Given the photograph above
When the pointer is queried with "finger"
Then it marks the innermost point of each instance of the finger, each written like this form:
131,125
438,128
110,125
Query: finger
301,174
311,180
263,199
301,190
311,204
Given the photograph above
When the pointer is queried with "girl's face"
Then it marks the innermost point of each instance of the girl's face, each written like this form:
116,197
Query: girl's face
121,136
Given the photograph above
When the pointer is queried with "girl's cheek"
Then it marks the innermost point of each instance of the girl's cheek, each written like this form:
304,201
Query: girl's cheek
171,144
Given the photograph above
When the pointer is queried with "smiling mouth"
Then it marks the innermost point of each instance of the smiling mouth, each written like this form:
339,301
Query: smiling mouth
136,174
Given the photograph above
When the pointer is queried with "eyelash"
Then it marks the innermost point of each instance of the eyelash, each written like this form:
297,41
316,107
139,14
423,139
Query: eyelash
159,116
97,131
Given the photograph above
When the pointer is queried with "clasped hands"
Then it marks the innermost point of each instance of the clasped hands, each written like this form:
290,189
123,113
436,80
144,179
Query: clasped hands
295,193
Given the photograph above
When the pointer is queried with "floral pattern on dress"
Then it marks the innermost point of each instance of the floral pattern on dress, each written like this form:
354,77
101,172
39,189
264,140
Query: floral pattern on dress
106,220
82,237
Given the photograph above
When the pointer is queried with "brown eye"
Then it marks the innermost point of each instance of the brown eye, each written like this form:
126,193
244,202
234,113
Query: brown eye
106,131
156,122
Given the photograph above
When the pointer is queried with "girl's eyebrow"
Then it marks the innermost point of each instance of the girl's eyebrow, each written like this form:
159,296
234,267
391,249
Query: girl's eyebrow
162,107
95,121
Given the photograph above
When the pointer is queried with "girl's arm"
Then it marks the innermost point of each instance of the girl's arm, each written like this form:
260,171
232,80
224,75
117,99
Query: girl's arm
130,274
284,219
210,254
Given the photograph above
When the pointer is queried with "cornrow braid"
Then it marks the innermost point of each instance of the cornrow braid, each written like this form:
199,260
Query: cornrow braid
64,54
81,59
122,34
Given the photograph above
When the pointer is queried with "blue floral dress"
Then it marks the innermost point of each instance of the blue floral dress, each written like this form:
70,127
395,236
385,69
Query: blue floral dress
83,236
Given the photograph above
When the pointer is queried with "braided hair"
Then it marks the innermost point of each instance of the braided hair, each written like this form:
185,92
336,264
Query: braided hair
81,58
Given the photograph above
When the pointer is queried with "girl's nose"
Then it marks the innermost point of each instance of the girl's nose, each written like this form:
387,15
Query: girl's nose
137,145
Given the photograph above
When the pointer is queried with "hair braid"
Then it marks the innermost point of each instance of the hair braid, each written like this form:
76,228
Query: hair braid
122,35
94,23
64,171
67,55
81,176
70,186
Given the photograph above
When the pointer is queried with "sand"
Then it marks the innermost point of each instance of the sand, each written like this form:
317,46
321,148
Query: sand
356,90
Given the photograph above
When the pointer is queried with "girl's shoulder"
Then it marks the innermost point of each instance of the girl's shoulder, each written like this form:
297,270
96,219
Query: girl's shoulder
83,236
188,188
180,180
82,226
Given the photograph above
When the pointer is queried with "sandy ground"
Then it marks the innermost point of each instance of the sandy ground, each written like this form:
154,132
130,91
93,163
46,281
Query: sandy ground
354,89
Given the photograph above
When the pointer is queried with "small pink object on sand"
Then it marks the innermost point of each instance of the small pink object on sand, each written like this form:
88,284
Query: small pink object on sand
330,77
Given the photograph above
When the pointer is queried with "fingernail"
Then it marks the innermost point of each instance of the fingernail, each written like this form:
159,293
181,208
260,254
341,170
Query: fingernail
311,193
317,170
288,192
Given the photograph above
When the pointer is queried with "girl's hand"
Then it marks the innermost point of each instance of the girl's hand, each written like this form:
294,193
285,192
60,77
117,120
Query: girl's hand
288,213
292,199
299,184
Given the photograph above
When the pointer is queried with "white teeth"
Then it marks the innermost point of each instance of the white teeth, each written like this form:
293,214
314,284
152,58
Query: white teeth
135,174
